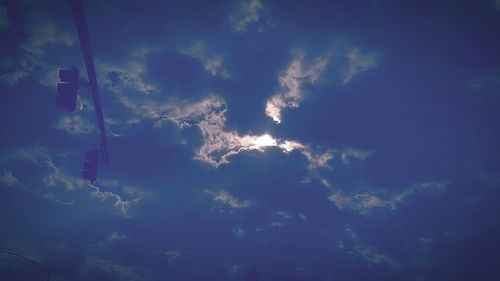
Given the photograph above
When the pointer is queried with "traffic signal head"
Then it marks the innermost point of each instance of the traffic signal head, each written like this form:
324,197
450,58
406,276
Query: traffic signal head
71,75
67,89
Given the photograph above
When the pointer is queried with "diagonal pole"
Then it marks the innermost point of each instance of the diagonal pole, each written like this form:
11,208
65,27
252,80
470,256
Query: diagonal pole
83,35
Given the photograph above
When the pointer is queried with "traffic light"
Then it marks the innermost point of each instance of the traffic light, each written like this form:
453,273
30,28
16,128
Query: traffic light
90,165
67,89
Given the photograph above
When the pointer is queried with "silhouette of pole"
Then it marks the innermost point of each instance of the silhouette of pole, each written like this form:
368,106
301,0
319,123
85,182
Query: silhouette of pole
83,36
28,260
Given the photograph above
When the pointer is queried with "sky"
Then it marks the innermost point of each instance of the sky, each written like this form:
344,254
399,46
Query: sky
310,140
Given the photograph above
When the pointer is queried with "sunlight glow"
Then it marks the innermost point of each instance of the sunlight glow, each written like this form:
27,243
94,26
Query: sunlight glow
264,141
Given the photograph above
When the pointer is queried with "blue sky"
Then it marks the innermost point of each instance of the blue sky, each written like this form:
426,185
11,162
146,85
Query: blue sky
331,140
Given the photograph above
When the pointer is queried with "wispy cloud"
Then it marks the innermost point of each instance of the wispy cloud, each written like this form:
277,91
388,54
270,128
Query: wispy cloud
116,236
212,62
209,116
228,200
126,78
357,62
369,254
32,55
75,125
363,202
282,218
8,178
173,256
245,13
49,181
119,203
298,73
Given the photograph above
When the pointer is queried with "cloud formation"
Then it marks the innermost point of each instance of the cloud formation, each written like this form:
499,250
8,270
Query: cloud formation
8,178
128,78
363,202
75,125
49,181
228,200
218,144
357,62
245,13
369,254
212,63
40,34
298,73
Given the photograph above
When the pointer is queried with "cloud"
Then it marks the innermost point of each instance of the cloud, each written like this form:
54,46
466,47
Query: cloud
357,62
245,13
363,202
32,55
213,63
290,95
44,178
8,178
369,254
75,125
173,256
209,116
282,218
115,236
228,200
348,154
238,232
121,205
127,78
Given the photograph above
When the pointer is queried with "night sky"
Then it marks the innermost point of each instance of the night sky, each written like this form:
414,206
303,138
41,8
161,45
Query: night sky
310,140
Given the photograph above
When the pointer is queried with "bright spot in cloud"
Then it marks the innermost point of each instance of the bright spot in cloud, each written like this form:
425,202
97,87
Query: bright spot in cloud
264,141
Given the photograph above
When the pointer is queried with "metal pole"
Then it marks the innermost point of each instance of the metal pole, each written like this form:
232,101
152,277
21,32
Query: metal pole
83,35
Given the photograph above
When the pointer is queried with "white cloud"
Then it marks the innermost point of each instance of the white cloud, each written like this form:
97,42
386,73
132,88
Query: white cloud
119,203
57,177
75,125
245,13
8,178
369,254
290,95
173,256
348,154
47,180
126,78
238,232
363,201
213,63
40,34
357,62
229,200
115,236
280,219
209,116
